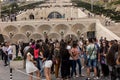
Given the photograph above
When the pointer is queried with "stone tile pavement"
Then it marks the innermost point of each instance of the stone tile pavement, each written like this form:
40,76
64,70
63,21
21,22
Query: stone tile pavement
21,74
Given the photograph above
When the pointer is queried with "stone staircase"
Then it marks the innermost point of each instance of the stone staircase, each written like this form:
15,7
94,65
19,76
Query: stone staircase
115,29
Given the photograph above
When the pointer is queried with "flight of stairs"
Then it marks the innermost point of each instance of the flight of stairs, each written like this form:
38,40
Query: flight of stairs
115,29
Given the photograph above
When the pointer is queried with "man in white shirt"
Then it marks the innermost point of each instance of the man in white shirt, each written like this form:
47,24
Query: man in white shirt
9,51
92,58
4,48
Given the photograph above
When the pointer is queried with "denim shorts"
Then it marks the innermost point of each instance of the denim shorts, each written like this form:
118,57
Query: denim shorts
92,63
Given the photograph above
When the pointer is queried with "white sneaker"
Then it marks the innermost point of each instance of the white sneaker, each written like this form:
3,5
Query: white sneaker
83,67
101,74
88,78
96,78
76,76
81,75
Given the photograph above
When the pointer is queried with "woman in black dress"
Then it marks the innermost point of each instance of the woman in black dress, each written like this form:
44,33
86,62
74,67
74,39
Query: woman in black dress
65,63
103,51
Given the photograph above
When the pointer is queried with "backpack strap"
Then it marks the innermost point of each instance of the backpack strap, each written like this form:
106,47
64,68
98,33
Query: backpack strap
92,51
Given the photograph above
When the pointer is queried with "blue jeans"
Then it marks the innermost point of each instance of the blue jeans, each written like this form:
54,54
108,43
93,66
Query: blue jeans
38,65
79,65
92,62
73,65
41,68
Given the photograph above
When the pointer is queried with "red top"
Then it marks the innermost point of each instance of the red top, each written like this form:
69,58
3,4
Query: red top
36,53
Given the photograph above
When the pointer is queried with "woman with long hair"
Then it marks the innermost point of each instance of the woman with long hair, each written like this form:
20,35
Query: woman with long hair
36,55
103,52
30,67
111,54
47,59
57,59
65,62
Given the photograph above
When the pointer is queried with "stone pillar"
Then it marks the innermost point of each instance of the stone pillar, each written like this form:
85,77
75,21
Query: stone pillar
11,78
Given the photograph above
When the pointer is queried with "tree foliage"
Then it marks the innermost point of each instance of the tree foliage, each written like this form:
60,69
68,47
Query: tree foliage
99,10
14,7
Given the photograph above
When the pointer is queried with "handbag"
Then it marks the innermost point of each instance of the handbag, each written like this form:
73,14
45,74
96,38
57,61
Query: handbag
103,60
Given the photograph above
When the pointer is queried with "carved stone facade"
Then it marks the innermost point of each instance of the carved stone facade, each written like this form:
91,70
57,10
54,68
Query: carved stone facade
55,22
51,12
54,29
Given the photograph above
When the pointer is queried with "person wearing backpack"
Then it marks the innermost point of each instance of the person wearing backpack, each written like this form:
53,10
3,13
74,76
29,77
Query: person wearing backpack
92,58
98,56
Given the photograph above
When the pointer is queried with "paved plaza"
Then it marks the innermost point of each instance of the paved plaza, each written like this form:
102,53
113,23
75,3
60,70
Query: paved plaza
21,74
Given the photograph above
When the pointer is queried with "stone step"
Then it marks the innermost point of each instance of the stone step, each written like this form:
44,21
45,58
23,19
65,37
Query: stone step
115,29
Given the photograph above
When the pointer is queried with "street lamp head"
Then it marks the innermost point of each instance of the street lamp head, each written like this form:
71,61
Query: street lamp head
11,34
62,32
78,32
28,33
45,32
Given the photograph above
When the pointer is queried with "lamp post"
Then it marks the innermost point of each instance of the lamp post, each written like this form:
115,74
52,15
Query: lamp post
82,36
70,37
62,33
78,33
28,33
11,34
45,33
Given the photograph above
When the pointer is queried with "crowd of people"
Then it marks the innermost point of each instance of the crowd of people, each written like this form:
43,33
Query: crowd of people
62,58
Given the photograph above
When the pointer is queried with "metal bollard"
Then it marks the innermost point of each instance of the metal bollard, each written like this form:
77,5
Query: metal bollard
11,74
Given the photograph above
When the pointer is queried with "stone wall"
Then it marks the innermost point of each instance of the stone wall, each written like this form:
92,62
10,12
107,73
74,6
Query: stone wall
36,29
54,28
